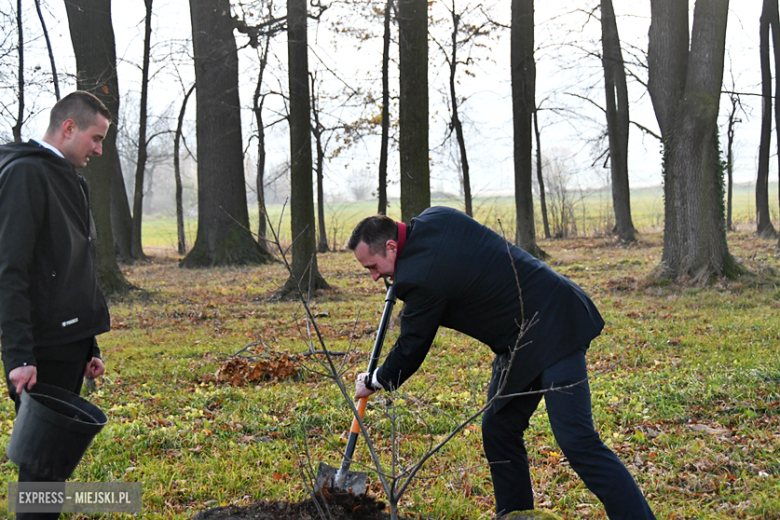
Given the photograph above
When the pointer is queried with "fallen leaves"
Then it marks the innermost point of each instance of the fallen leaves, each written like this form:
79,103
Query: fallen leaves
272,367
710,430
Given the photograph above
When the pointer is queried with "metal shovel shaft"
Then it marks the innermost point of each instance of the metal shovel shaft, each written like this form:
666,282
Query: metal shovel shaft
354,431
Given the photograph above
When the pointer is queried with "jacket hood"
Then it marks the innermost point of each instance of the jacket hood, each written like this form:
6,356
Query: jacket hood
12,151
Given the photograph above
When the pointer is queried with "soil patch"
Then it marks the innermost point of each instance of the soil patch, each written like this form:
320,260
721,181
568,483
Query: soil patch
342,506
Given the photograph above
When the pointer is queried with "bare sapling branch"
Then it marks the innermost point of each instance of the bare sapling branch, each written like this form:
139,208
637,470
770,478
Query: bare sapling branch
328,363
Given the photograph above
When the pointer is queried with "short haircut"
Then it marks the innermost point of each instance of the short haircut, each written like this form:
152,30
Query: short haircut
375,231
81,107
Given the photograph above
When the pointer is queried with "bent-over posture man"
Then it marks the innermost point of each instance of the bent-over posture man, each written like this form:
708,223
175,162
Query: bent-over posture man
51,307
451,271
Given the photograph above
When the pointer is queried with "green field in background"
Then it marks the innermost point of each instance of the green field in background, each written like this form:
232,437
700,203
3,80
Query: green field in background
592,212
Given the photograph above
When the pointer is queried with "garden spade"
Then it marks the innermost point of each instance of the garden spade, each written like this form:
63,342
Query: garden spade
342,479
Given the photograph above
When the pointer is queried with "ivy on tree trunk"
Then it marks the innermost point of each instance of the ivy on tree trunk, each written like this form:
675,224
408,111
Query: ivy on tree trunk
685,89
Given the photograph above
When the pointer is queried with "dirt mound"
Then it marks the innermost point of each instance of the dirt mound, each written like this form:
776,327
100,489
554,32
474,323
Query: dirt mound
342,506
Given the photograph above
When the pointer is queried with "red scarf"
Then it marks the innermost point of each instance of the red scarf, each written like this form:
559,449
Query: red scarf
401,239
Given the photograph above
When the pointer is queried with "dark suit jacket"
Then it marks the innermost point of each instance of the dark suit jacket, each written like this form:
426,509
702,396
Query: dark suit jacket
455,272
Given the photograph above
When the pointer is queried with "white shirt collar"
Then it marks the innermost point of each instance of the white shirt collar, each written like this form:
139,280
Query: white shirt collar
49,147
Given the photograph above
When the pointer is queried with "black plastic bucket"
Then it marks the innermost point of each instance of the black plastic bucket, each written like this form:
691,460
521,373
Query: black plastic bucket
52,431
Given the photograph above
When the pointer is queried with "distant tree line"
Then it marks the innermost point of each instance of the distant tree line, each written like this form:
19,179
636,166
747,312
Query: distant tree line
684,78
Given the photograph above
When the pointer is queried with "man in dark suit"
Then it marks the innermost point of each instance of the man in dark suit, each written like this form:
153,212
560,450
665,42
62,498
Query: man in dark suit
451,271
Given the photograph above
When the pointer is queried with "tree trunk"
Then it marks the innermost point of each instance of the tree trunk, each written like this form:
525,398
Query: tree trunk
322,234
54,77
140,165
257,108
92,35
413,107
17,128
121,219
539,176
464,160
617,122
223,235
304,253
382,210
764,227
182,239
774,22
730,160
685,90
102,76
523,104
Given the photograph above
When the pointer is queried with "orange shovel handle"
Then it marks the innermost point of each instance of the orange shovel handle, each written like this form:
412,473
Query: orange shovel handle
361,409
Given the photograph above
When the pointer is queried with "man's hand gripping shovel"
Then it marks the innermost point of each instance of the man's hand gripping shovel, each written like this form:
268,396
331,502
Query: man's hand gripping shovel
342,479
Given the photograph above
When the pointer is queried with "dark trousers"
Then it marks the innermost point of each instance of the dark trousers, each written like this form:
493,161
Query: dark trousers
569,412
67,374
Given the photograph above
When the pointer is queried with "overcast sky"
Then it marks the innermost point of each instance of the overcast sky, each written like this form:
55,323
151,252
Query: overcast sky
569,125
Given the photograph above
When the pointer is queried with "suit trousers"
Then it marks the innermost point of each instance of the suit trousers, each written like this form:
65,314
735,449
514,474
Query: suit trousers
67,374
569,412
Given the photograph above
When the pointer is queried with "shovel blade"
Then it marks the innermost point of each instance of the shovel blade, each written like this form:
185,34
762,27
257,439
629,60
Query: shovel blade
354,481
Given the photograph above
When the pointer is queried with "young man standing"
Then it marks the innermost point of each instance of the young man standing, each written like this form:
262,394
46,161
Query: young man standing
51,307
451,271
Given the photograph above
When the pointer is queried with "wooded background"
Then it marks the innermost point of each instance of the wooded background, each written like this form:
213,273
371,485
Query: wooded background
388,90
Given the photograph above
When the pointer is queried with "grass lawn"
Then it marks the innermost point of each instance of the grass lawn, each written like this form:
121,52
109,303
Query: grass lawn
685,383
